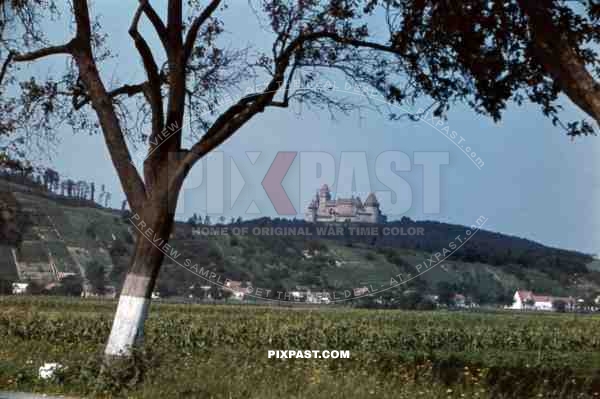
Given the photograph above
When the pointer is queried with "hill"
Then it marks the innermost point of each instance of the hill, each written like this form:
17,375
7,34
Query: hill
44,237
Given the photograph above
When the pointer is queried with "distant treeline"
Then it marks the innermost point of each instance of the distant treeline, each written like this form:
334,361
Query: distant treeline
483,247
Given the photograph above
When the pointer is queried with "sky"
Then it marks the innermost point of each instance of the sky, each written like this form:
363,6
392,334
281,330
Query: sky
535,182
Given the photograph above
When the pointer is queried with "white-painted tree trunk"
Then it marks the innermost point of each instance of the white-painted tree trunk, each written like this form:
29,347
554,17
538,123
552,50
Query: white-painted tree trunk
128,325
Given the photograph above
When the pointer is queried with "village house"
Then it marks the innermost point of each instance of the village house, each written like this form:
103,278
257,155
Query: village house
236,288
459,301
527,300
19,288
304,294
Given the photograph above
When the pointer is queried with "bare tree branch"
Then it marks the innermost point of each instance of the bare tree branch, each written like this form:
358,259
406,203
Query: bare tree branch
132,184
5,66
156,22
286,94
560,60
238,114
44,52
177,77
175,24
129,90
195,27
154,80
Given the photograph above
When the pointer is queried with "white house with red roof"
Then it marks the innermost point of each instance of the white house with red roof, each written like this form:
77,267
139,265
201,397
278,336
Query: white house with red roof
528,300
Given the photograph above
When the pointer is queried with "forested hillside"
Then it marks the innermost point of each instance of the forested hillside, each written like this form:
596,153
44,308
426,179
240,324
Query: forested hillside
43,238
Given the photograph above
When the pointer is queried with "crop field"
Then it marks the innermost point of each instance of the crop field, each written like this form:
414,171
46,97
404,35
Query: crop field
220,351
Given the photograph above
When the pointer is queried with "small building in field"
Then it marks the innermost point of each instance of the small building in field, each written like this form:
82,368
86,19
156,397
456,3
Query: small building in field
459,301
528,300
19,288
236,288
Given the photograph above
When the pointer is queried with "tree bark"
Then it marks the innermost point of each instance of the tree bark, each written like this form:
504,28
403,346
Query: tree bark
154,228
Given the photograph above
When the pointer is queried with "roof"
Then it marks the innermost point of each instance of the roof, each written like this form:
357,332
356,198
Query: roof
234,285
525,295
349,201
20,285
371,200
542,298
564,299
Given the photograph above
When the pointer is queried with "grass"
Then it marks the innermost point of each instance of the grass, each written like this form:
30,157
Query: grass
221,352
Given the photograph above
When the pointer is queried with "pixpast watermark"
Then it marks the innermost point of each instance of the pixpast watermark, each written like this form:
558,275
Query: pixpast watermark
308,354
289,175
284,187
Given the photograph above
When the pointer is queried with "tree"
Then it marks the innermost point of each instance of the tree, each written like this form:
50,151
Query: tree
104,198
50,178
35,288
194,220
68,286
589,301
197,291
559,305
20,26
560,52
478,52
81,190
107,198
6,286
96,275
70,184
505,298
529,303
445,293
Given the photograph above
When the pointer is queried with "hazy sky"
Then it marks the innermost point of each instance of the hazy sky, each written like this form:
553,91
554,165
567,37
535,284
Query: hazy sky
535,182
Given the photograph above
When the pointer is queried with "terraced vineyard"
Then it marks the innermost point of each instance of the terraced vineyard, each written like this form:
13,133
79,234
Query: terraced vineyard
393,353
53,238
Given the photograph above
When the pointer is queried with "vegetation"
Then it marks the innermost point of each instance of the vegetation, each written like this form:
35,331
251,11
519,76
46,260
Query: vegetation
559,305
393,353
479,53
96,275
487,269
68,286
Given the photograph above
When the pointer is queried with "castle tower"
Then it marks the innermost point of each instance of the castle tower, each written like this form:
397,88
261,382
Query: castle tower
311,210
324,196
371,206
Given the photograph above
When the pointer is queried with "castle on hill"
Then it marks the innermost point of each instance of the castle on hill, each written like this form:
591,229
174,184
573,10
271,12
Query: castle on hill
323,209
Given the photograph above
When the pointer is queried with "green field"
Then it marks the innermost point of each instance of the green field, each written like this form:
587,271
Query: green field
221,352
